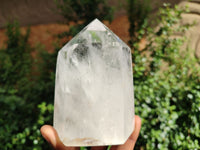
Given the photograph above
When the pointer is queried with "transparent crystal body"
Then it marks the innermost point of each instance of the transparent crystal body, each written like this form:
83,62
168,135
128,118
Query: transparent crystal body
94,103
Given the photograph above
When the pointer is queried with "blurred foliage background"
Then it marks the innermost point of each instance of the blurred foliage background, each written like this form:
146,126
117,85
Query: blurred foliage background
166,79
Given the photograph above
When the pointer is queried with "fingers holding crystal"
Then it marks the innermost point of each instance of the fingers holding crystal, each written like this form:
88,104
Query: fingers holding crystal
51,136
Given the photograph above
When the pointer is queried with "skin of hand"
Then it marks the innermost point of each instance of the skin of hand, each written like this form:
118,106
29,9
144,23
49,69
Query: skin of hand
51,136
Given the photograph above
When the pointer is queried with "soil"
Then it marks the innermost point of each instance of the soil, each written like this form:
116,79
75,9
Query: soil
46,34
42,15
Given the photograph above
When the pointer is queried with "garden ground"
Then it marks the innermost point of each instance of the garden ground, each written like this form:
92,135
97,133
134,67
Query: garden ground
45,34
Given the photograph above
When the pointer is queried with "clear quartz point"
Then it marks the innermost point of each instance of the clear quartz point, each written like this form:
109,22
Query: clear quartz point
94,103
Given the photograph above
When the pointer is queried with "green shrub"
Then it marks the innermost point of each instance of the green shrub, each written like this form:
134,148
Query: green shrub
167,91
138,12
83,12
15,59
20,122
22,94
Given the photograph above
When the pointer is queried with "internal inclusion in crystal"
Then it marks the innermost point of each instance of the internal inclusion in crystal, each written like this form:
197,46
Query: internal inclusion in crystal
101,40
94,102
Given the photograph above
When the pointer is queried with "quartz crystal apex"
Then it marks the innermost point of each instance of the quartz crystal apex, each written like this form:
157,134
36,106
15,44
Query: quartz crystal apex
94,103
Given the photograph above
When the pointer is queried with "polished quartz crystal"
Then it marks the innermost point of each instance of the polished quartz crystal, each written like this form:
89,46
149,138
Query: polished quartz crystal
94,103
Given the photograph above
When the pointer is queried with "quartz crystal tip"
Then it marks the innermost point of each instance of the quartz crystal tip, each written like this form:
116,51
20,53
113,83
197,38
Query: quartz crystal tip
96,25
94,103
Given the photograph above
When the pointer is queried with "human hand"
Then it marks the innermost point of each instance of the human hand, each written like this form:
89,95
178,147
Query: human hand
50,134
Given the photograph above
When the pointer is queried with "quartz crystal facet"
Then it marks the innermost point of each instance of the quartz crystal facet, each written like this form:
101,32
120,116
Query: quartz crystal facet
94,103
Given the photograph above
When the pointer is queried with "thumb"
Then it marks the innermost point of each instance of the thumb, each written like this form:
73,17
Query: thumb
51,136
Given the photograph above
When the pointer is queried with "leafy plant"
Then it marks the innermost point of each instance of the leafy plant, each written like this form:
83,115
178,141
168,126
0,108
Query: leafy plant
15,64
22,108
82,12
166,82
137,11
